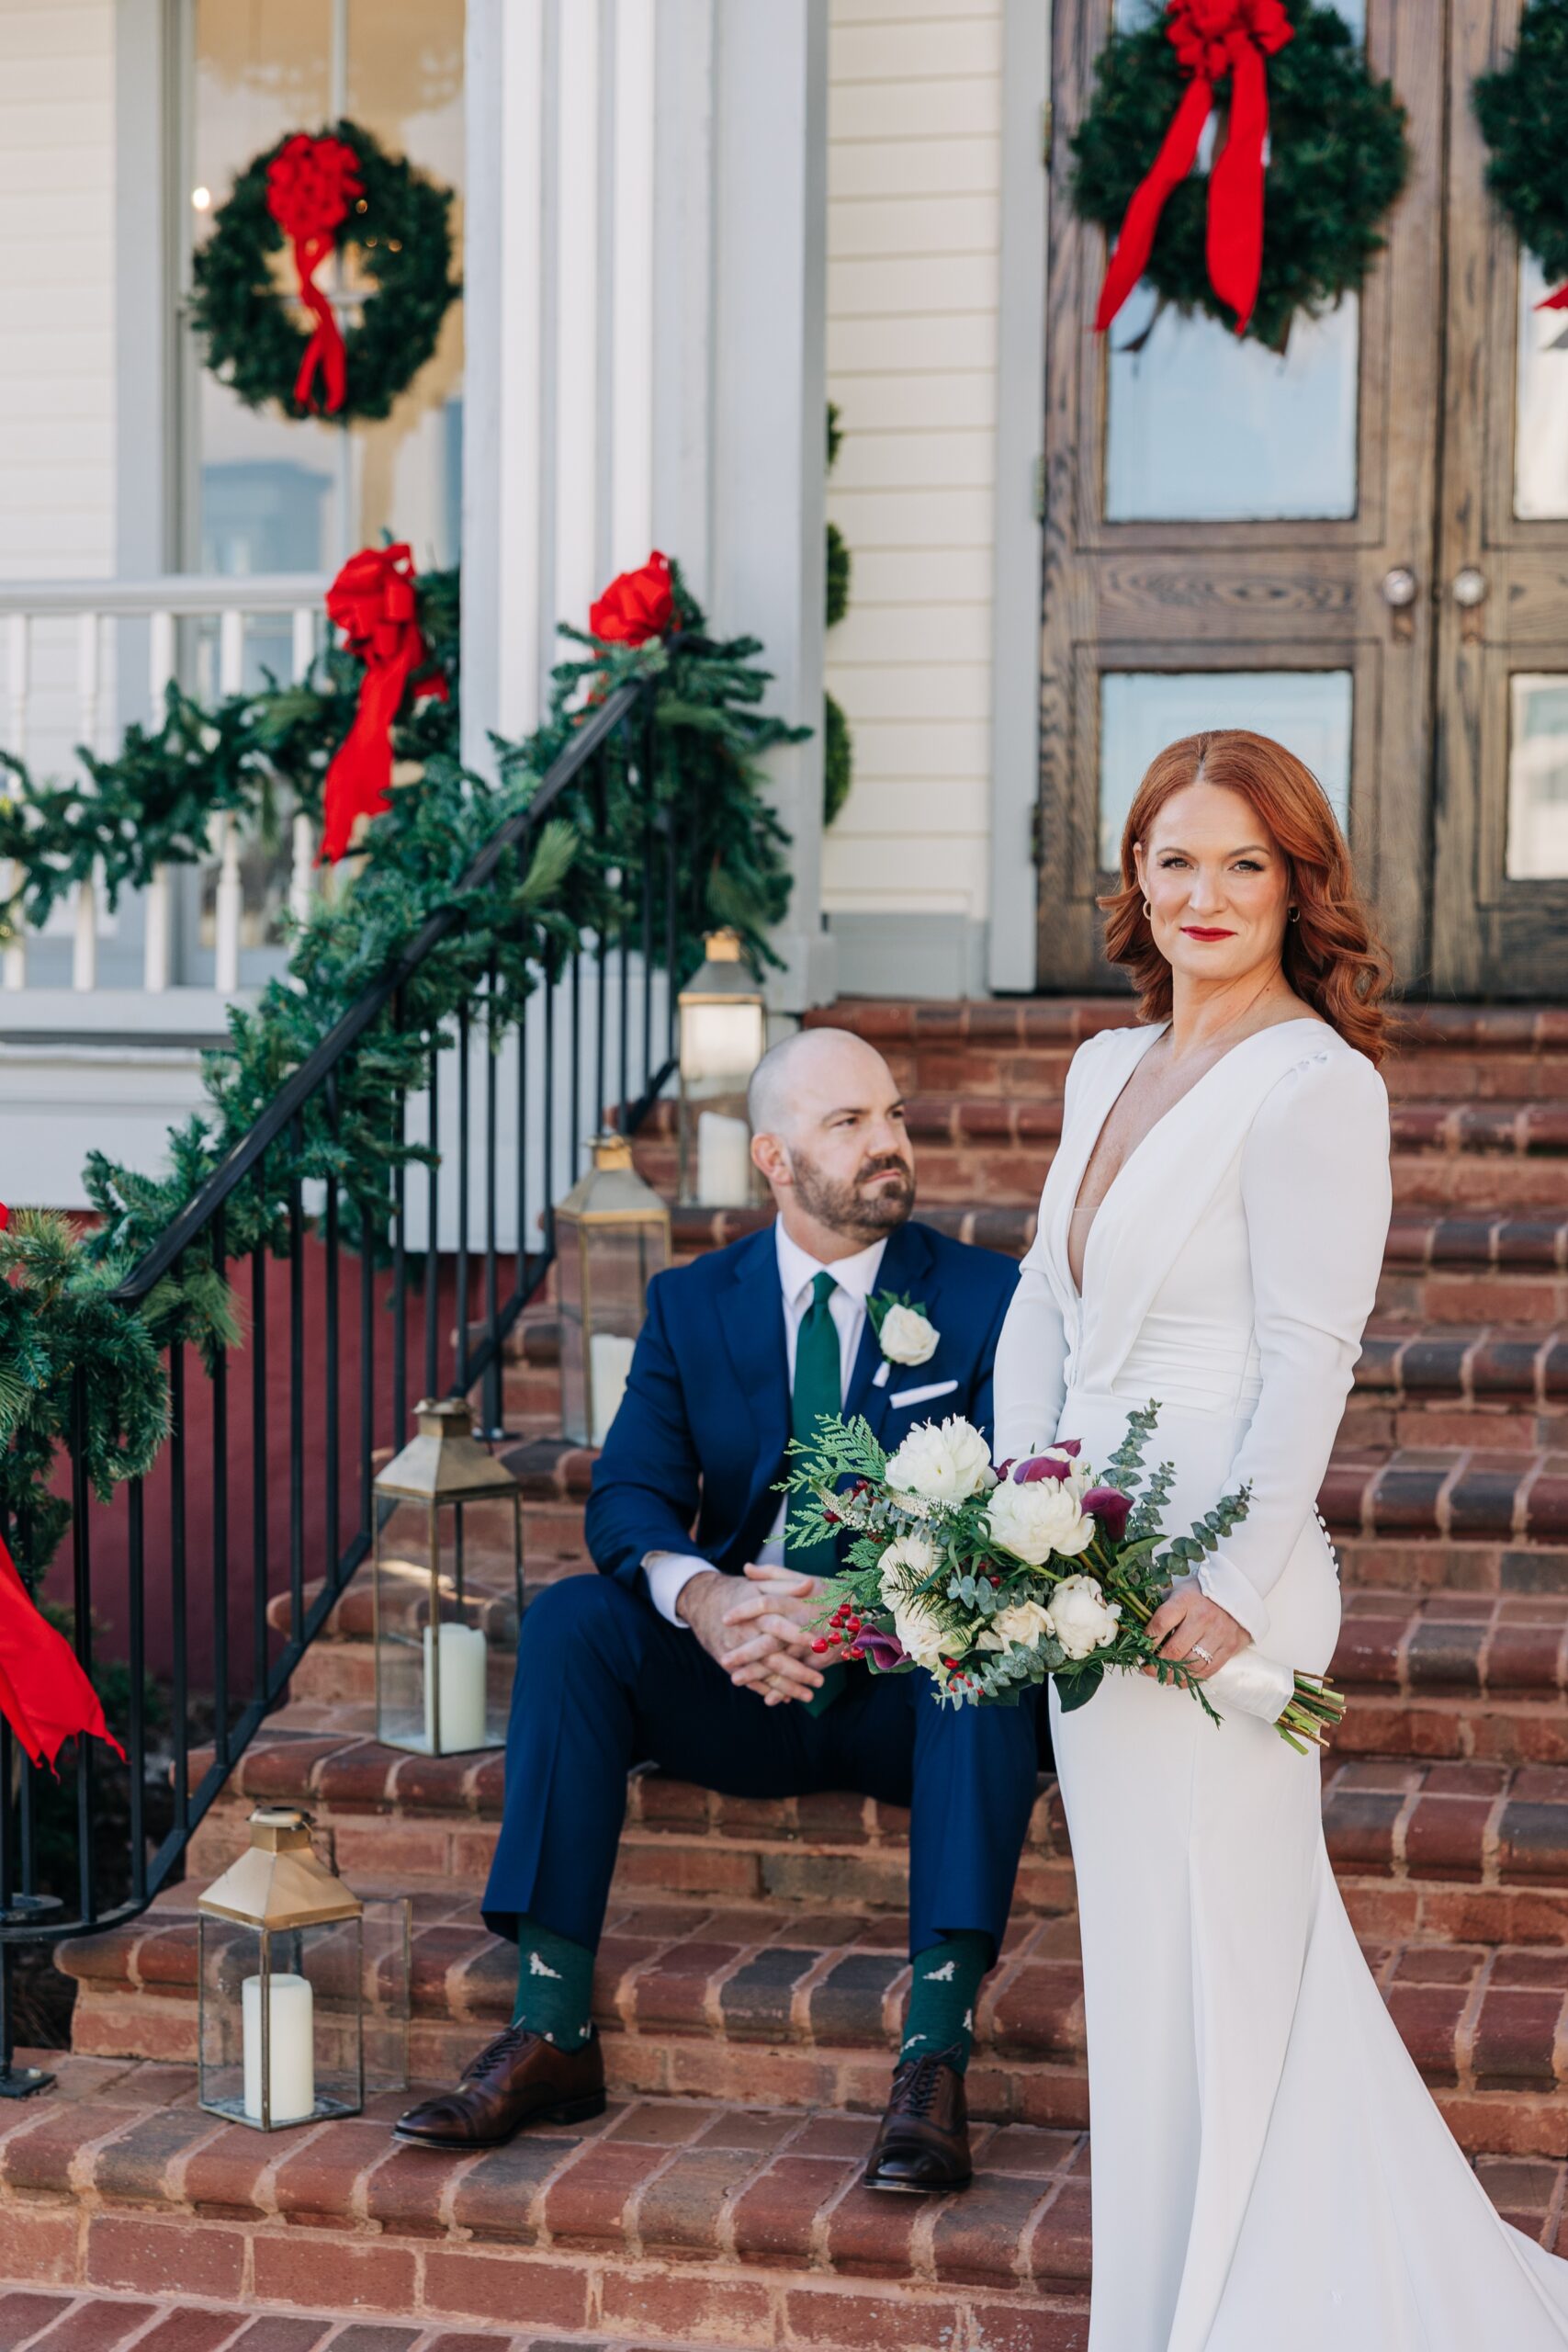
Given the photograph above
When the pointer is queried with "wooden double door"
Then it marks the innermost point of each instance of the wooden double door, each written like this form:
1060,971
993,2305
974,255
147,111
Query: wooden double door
1359,546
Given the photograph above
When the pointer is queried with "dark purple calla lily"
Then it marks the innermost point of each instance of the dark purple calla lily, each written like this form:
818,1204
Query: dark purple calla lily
885,1651
1046,1466
1110,1507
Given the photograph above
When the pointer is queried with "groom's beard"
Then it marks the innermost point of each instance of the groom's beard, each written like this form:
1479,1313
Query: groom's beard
856,1204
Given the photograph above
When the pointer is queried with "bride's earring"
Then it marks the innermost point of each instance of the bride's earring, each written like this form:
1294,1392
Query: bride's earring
1295,914
1148,912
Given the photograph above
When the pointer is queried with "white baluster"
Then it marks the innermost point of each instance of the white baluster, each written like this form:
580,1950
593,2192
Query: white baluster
13,968
304,640
84,946
226,914
302,878
231,653
156,937
159,661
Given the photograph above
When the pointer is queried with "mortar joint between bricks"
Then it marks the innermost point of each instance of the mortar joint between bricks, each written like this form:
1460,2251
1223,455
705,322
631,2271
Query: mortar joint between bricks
804,1986
713,1989
822,2221
894,1999
1559,2047
631,2212
730,2204
922,2237
1468,2026
1492,1839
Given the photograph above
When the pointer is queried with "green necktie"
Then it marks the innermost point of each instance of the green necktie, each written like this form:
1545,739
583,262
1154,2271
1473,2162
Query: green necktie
818,1390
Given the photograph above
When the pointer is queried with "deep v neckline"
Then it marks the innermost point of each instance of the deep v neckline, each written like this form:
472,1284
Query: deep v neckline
1299,1020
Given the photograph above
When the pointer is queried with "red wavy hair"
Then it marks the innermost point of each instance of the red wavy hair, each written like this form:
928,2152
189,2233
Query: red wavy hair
1332,954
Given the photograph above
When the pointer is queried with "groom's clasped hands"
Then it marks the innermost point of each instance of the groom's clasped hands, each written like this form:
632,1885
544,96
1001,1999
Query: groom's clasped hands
763,1642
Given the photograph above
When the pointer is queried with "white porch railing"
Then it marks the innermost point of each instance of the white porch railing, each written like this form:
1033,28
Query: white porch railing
96,613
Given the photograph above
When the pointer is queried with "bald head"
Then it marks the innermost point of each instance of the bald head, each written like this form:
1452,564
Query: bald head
827,1124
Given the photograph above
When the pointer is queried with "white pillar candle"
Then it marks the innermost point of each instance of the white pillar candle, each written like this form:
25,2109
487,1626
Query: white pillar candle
292,2048
609,1364
462,1652
723,1161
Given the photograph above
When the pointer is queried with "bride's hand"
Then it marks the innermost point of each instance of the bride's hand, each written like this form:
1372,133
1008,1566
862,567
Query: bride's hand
1189,1621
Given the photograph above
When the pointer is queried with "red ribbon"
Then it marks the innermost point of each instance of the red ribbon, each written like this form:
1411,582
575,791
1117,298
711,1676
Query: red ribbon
636,606
1211,38
311,183
372,601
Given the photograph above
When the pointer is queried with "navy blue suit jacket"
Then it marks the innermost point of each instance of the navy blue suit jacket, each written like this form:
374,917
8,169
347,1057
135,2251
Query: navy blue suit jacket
698,1448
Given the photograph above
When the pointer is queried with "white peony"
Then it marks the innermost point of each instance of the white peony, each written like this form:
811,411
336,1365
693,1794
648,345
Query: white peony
1032,1521
904,1564
906,1337
940,1462
1081,1618
923,1635
1020,1620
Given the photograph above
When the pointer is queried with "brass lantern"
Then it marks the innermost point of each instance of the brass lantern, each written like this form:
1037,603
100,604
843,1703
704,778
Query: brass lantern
281,1977
445,1625
723,1034
612,1237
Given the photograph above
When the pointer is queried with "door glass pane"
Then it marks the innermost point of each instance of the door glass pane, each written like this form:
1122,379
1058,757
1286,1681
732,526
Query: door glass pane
1538,778
1540,445
1201,427
276,494
1143,710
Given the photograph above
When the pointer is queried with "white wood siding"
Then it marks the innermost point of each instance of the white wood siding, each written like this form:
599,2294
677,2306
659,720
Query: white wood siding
56,287
913,242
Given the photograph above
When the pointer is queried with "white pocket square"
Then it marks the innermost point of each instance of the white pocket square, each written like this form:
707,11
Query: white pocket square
923,1395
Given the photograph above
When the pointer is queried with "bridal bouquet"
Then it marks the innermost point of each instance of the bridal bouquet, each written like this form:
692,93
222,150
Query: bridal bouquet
995,1579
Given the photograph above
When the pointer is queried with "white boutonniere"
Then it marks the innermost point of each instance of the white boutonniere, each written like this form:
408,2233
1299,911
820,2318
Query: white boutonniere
905,1332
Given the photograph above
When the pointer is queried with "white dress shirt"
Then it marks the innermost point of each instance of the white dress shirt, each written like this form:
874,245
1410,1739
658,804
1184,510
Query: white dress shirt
668,1573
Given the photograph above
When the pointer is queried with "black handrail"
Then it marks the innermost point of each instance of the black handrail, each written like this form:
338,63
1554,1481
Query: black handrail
197,1631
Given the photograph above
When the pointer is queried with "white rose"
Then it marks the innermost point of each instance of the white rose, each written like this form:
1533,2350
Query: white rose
1032,1521
940,1463
1021,1621
923,1635
906,1337
906,1563
1081,1618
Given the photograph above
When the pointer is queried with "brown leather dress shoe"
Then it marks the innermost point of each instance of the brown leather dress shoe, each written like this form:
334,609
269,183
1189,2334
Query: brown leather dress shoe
518,2078
922,2145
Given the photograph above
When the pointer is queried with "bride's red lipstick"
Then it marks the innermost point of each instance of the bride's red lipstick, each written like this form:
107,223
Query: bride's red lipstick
1195,930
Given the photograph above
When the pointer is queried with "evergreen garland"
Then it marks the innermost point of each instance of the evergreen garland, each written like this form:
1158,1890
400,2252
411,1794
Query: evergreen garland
1522,108
1338,157
57,1317
251,338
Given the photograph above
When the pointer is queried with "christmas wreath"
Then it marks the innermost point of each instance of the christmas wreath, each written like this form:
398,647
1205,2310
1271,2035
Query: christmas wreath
1312,157
1523,112
320,195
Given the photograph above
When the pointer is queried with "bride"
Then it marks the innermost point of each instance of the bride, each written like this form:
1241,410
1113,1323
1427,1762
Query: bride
1268,2169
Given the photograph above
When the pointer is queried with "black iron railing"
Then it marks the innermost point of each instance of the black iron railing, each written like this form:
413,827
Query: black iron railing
260,1508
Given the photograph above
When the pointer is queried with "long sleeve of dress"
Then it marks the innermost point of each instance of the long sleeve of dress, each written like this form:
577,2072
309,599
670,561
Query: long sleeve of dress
1029,1378
1317,1193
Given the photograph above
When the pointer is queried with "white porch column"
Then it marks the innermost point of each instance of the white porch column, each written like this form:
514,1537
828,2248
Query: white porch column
769,424
504,623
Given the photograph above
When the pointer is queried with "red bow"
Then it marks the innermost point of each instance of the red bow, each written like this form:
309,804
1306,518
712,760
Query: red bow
636,606
372,601
1211,38
310,183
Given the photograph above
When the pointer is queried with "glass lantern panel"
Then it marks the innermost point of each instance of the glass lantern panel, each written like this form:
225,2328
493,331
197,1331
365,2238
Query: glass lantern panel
715,1152
389,1927
721,1044
619,1261
445,1648
280,2021
569,1324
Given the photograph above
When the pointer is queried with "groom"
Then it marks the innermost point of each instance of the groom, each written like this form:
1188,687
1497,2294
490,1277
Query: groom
696,1645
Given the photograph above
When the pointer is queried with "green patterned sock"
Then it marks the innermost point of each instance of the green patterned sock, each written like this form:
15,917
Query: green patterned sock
555,1985
946,1986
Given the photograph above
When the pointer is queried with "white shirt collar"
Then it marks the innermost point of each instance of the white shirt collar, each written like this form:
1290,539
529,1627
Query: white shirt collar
797,1269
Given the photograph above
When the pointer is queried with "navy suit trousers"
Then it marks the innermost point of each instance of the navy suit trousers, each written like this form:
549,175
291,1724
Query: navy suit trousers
603,1682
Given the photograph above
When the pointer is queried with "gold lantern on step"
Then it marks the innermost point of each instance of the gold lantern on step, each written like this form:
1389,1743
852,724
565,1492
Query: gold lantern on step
446,1624
286,2034
723,1034
612,1237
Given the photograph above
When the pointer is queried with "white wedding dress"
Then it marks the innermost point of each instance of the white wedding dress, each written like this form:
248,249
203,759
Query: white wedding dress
1268,2169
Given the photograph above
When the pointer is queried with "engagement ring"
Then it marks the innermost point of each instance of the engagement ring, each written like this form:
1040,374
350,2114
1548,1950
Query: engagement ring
1202,1654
